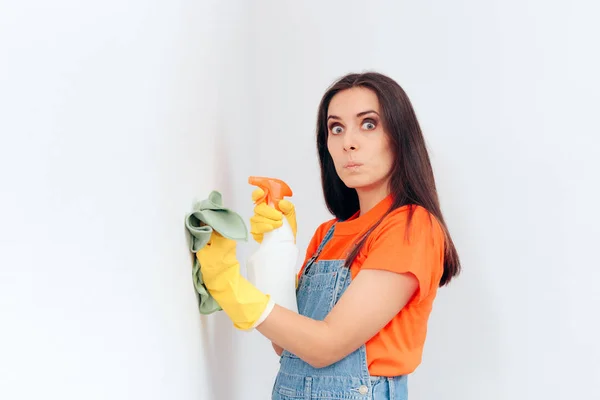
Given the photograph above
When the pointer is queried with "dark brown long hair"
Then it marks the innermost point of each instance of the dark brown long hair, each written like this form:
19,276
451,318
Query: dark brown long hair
411,180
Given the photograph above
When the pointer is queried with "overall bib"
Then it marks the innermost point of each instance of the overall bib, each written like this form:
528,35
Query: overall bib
320,287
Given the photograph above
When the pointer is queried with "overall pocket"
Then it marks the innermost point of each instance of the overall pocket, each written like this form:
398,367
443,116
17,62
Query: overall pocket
291,386
316,292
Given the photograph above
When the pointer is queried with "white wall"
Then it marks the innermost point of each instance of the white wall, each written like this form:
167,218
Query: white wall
507,94
104,115
106,111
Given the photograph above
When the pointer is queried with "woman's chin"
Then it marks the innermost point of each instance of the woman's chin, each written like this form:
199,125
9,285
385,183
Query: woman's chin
357,181
363,183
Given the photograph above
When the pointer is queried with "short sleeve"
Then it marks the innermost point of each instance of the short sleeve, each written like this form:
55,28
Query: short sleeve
418,251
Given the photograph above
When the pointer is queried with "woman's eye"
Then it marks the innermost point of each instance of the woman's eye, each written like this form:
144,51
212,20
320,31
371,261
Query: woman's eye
336,129
368,125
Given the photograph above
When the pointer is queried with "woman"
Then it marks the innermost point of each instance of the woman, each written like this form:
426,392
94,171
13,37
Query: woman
370,276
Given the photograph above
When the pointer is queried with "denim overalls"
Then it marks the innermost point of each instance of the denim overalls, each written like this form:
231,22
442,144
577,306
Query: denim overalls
320,287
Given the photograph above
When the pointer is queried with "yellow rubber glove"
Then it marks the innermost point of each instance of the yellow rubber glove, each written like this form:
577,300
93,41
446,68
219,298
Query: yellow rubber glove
267,218
245,305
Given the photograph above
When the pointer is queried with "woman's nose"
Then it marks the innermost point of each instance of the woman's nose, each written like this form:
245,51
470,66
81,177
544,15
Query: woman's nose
350,143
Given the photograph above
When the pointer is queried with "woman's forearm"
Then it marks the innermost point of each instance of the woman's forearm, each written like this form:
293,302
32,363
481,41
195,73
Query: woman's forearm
278,349
308,339
321,343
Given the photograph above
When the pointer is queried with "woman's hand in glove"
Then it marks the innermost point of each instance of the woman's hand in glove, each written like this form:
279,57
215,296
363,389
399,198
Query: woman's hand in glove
245,305
267,218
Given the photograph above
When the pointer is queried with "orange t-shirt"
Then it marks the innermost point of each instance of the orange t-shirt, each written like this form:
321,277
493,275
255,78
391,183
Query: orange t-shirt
397,349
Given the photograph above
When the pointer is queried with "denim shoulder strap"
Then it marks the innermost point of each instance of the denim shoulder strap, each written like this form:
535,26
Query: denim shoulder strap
326,239
312,259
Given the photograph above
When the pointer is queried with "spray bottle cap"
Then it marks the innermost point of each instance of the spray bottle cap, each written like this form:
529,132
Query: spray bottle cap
275,189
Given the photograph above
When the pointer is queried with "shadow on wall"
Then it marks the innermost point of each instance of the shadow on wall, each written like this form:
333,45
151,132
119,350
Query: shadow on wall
216,345
217,329
217,342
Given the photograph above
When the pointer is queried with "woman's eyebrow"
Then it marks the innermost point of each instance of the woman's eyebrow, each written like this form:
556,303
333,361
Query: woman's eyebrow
360,114
366,112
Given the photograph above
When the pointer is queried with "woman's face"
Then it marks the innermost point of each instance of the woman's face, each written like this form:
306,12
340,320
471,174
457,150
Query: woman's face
357,142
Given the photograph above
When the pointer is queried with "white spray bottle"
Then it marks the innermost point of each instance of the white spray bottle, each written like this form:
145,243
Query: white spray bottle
272,268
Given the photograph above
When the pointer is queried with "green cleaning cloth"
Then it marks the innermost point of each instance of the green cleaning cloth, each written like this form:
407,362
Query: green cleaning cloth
206,216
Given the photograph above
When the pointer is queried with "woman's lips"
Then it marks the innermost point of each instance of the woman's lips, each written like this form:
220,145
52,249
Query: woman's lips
352,164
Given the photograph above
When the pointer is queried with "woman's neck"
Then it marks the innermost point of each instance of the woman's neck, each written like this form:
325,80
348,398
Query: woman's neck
369,198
